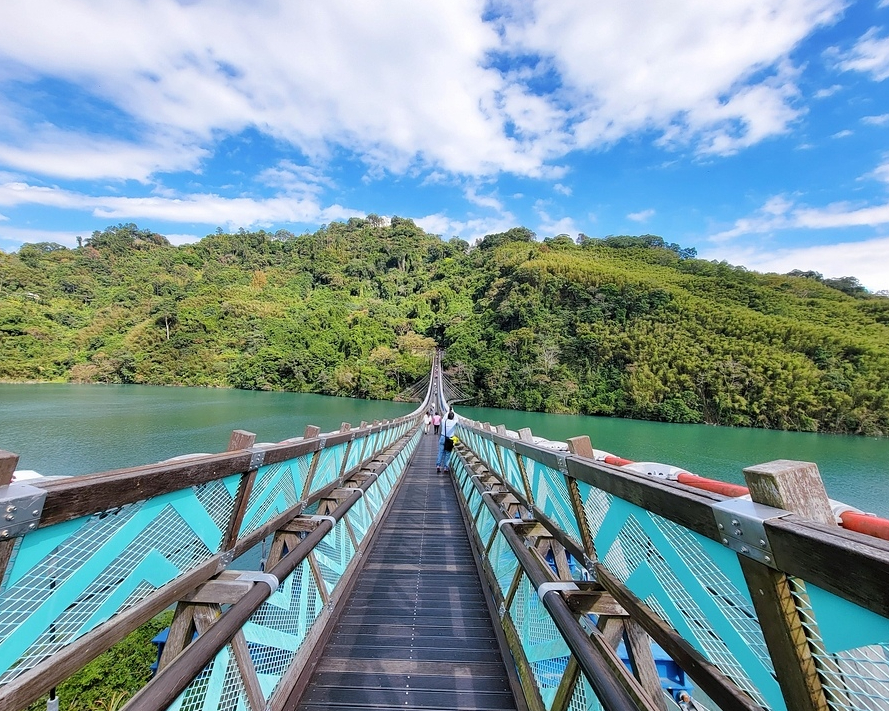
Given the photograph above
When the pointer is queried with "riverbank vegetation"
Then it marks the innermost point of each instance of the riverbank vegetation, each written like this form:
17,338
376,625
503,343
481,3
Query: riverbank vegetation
622,326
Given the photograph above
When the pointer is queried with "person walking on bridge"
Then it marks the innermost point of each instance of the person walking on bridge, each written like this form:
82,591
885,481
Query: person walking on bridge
427,421
446,442
436,422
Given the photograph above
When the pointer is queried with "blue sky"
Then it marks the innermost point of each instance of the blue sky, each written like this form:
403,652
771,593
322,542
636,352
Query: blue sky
756,131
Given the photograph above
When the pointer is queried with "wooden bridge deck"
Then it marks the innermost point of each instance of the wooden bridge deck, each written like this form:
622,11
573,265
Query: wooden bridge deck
416,631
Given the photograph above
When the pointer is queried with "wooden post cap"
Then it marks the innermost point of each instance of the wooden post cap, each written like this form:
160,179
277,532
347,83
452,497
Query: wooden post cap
311,431
790,485
240,439
581,446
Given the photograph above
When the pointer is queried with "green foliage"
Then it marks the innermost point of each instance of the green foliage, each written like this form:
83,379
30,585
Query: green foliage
626,326
108,681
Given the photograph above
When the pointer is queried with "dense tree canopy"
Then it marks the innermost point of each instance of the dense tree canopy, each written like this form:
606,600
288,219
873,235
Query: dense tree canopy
625,326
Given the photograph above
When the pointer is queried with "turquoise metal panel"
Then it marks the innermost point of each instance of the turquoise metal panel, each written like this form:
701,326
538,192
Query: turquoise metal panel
697,582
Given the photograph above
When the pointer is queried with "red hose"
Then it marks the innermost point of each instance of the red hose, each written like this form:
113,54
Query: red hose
717,487
851,520
617,461
869,525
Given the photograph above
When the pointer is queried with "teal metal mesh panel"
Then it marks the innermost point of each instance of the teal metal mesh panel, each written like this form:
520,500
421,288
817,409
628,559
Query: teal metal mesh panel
850,646
355,453
512,473
333,554
360,518
693,582
584,698
69,578
551,495
503,563
485,524
542,643
329,463
277,488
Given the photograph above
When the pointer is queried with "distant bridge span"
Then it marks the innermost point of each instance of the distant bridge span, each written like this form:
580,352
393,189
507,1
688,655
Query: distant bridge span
527,577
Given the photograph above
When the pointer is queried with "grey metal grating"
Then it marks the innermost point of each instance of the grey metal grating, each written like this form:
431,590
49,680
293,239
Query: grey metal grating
415,632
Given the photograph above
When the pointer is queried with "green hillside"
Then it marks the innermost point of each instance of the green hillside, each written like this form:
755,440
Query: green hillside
626,326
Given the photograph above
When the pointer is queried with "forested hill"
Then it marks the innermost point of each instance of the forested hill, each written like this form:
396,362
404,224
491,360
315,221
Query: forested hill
625,326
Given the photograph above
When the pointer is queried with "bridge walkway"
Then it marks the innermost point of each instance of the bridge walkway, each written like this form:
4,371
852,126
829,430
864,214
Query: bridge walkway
416,631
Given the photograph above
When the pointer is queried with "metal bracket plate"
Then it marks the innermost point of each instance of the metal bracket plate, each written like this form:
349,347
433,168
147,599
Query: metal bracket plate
225,560
563,463
741,524
256,457
21,506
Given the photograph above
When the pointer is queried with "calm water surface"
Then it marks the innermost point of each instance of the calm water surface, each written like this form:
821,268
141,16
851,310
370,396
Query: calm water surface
77,429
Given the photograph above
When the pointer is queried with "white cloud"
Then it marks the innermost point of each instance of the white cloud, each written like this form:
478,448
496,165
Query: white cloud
827,92
194,208
641,216
489,201
471,230
402,85
845,133
17,236
562,189
869,55
880,120
868,260
684,68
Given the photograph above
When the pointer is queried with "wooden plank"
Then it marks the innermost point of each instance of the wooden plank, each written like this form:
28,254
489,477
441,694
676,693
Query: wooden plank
72,497
565,692
612,629
239,509
797,487
590,602
8,463
180,634
688,507
724,692
846,563
222,592
642,660
785,637
240,439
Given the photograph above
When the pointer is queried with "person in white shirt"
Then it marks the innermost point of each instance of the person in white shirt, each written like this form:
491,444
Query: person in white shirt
449,427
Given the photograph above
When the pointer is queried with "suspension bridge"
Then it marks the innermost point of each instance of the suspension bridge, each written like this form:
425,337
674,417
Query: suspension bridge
531,575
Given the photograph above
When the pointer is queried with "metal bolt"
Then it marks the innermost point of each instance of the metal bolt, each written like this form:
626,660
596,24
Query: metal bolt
745,549
738,532
720,526
32,526
4,534
725,541
10,517
768,559
735,522
762,541
10,509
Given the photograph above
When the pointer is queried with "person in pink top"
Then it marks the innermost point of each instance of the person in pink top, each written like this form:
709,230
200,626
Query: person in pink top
436,423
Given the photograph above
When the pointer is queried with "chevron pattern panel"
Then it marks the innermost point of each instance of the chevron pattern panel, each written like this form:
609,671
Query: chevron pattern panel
68,578
277,630
691,581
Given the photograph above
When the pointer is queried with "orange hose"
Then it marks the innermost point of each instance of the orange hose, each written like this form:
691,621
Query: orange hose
869,525
717,487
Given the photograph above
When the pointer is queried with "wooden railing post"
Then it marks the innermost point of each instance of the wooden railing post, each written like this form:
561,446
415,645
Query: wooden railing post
797,487
8,463
240,439
582,447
